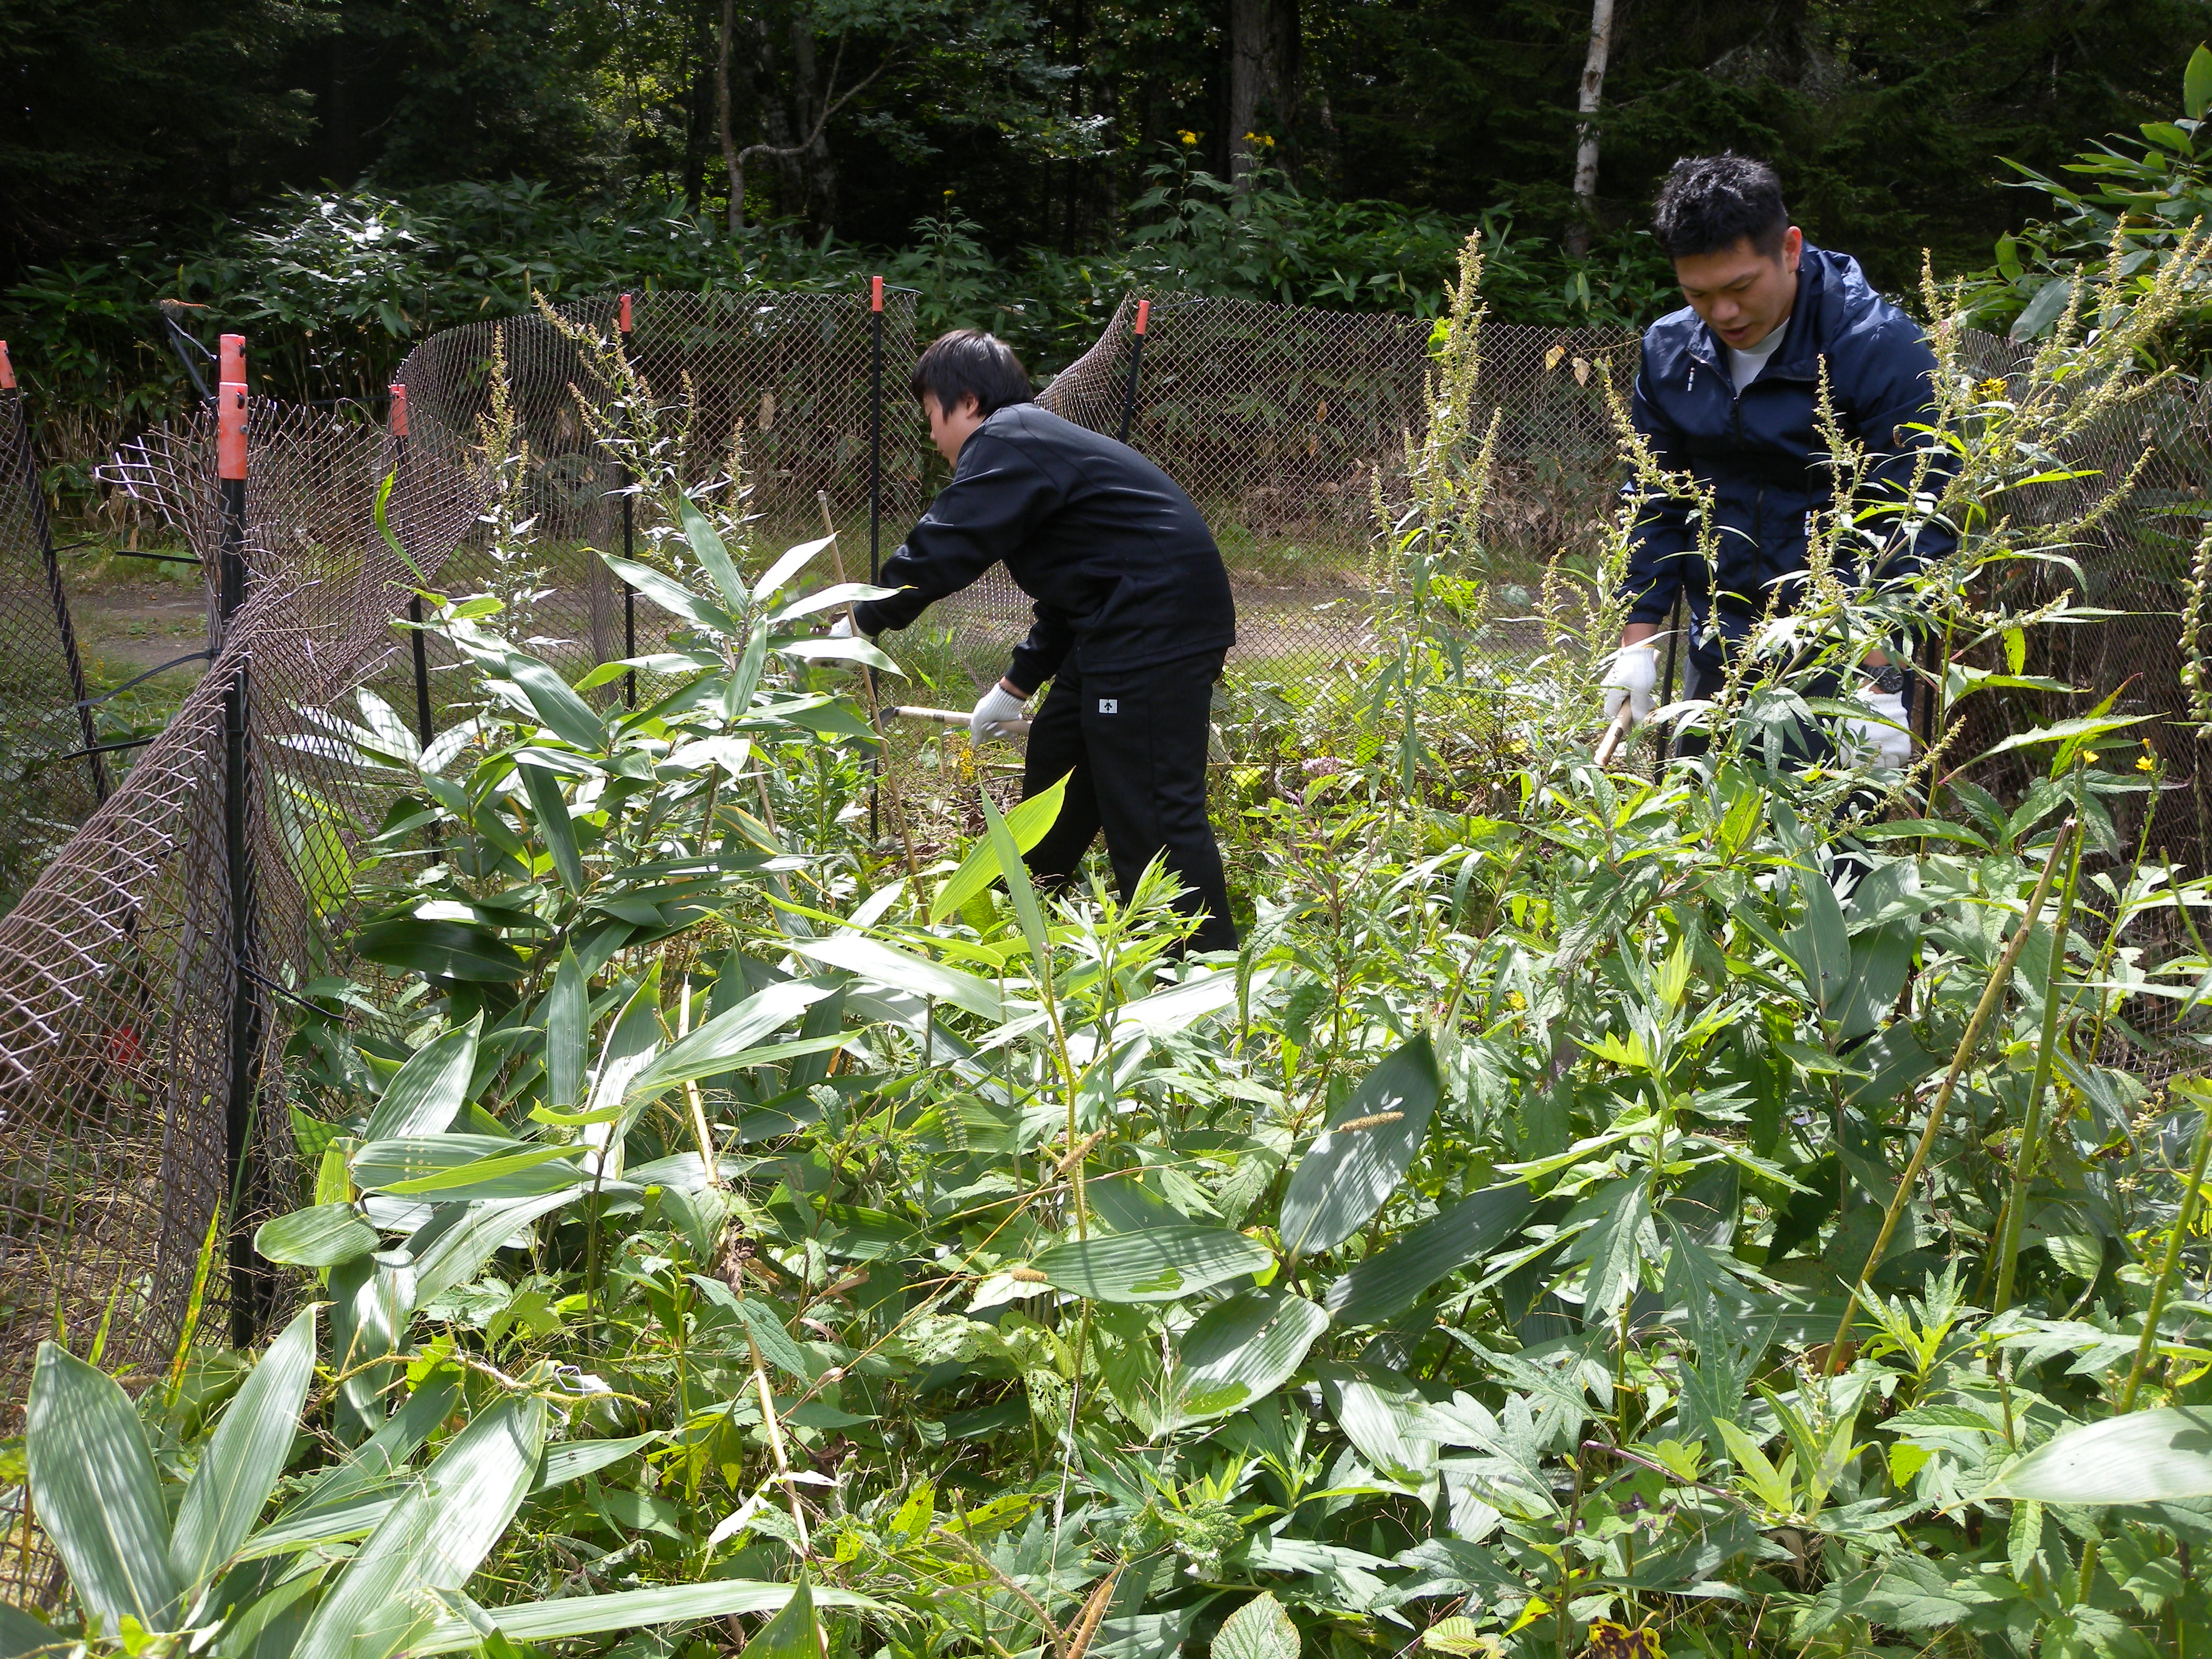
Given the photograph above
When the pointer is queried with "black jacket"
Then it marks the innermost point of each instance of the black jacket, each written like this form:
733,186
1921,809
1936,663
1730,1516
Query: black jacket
1760,451
1123,569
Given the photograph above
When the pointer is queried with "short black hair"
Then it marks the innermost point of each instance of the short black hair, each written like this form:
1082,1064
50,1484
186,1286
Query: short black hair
970,363
1710,203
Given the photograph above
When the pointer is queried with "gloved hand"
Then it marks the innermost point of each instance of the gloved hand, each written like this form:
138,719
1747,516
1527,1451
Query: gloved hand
994,708
1632,679
1887,747
842,627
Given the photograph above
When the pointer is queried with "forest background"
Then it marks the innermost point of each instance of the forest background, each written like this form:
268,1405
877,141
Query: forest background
339,178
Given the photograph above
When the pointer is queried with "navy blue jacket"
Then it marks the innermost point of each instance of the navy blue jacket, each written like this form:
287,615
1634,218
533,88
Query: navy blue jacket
1760,453
1124,572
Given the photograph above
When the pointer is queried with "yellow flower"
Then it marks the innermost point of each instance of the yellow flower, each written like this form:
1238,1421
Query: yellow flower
1515,1001
1261,139
2145,763
1188,137
1992,389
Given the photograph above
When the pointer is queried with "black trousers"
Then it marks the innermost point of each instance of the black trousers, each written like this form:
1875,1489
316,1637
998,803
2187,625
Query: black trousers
1133,747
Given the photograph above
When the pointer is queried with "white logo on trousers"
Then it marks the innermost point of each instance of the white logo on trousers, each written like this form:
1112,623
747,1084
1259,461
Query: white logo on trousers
1109,705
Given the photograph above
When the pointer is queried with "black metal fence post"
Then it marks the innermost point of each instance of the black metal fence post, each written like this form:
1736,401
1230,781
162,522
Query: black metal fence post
628,510
247,1285
42,526
423,724
875,520
1136,359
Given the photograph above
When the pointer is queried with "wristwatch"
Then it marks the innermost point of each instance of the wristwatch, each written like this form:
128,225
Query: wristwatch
1888,679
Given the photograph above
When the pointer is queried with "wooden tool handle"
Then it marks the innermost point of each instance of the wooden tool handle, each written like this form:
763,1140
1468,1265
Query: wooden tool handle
1624,721
947,717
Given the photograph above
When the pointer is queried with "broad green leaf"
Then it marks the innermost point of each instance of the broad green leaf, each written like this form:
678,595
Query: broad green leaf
334,1523
231,1483
1462,1637
1238,1351
567,715
1387,1283
808,648
1624,1238
459,1167
1027,823
1820,943
440,950
1362,1159
323,1237
631,1047
825,599
462,1248
568,1018
96,1495
793,1634
2196,83
1383,1414
1158,1264
2145,1458
433,1538
902,970
1021,892
761,1321
426,1095
752,661
572,1460
794,560
369,1308
674,597
706,545
377,1459
670,1604
1181,1006
713,1046
20,1633
2041,311
550,809
1258,1629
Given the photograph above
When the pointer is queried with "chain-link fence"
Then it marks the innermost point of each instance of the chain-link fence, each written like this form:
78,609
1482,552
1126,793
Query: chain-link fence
132,1032
48,785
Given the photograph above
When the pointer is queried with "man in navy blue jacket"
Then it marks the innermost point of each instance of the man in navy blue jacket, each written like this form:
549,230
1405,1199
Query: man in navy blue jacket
1134,618
1728,391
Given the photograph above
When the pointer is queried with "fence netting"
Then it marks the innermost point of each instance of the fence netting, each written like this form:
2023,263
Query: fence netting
118,987
48,785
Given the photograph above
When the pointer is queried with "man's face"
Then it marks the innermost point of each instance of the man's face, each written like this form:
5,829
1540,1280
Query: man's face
1743,294
950,431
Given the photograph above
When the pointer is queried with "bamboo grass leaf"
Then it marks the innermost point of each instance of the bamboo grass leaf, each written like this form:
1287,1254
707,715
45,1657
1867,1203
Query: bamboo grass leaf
231,1483
98,1498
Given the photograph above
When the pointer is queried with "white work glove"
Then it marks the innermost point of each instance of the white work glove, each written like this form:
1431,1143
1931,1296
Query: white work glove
996,707
1632,679
842,627
1887,748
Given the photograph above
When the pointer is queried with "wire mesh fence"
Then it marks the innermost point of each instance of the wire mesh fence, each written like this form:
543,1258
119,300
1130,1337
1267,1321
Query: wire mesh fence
48,785
127,1020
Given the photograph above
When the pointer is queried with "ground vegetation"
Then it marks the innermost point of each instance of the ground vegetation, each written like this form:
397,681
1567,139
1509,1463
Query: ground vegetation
1756,1208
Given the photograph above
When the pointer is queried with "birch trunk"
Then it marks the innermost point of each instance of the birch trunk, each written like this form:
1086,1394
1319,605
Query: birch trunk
1586,134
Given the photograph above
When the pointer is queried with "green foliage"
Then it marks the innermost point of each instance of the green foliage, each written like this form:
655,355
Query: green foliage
2131,215
714,1223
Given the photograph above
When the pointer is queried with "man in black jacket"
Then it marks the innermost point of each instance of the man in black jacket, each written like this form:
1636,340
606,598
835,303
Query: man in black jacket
1134,618
1728,391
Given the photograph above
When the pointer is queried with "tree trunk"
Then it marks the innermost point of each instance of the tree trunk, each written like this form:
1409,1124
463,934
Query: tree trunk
814,170
1263,84
733,165
1586,134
